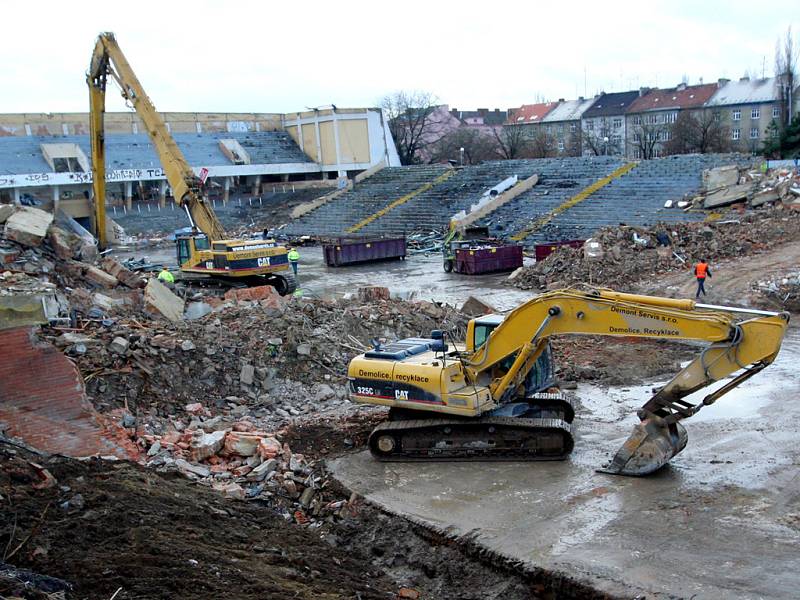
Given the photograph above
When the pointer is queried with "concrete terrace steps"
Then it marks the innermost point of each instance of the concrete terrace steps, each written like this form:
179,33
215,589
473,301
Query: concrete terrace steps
434,208
365,199
400,201
559,180
637,198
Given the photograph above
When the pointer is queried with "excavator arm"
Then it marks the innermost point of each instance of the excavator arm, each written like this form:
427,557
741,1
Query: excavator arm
108,60
747,346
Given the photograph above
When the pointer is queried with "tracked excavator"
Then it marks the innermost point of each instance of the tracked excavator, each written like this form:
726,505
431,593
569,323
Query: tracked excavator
205,255
491,398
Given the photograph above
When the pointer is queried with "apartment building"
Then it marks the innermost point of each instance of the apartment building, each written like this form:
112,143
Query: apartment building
563,123
747,106
650,117
603,126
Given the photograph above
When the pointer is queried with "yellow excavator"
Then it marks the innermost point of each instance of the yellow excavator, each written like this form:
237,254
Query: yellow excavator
205,254
493,398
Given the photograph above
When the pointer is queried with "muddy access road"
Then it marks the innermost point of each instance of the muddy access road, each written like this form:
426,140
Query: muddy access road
721,521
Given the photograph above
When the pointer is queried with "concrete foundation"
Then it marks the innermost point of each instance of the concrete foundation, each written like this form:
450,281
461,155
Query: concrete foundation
721,521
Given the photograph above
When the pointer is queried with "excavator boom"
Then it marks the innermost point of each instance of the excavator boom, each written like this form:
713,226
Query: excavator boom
202,258
108,60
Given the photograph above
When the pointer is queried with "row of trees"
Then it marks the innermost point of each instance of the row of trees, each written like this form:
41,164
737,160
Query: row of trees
422,134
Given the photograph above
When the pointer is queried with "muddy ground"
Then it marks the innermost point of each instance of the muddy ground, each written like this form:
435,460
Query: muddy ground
109,526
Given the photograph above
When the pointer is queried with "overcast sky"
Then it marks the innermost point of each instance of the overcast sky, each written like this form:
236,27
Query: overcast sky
243,56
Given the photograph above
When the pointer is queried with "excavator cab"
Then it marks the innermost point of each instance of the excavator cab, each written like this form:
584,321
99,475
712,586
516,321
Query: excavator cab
188,247
541,376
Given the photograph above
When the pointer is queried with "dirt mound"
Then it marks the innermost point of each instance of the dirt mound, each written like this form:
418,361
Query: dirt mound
108,526
632,254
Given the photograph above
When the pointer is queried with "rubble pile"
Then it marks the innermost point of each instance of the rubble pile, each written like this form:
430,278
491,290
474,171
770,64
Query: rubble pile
780,292
245,359
244,463
619,256
748,188
39,257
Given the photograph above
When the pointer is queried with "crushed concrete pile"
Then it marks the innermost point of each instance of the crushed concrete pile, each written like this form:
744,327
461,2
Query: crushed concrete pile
243,360
38,257
781,292
620,256
748,188
243,463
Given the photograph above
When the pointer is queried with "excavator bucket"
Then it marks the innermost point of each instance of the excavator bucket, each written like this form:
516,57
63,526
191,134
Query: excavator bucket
651,445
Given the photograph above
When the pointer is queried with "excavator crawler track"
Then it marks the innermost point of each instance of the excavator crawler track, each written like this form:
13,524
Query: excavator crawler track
483,438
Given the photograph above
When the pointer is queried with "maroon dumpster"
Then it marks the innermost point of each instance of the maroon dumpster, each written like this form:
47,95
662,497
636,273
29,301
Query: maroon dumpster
343,251
487,259
542,251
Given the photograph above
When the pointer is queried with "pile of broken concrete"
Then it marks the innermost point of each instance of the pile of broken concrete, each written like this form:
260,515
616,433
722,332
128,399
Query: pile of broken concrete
243,462
41,257
737,187
621,256
782,292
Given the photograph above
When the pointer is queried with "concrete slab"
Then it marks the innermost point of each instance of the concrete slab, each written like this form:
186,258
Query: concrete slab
160,300
6,210
722,521
28,226
728,195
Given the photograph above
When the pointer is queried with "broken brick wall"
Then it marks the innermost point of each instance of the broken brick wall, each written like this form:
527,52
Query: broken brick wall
43,402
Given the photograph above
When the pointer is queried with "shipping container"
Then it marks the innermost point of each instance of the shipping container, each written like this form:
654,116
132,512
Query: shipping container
542,251
487,259
339,252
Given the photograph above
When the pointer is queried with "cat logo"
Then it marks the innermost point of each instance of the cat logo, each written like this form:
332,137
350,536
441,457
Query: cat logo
401,394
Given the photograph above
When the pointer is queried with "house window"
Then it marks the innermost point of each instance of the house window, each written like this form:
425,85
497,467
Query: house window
590,124
755,113
737,115
573,128
656,152
667,135
617,122
717,116
773,132
637,138
560,146
776,112
637,120
651,119
735,134
671,117
754,133
637,153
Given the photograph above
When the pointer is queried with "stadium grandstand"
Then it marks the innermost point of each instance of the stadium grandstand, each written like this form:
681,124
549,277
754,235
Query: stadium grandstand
45,159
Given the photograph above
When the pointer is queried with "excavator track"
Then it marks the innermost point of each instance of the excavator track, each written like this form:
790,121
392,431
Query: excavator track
483,438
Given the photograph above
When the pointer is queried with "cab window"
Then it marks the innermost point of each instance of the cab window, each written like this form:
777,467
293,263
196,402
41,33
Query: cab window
481,333
183,251
201,243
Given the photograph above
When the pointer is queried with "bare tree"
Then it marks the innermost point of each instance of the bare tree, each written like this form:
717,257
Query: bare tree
477,146
698,132
786,58
511,142
542,145
647,138
413,121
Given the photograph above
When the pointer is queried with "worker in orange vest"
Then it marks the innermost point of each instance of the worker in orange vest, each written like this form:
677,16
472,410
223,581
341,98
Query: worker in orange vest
701,271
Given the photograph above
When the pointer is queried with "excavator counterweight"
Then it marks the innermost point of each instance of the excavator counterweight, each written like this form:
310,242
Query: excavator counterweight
492,398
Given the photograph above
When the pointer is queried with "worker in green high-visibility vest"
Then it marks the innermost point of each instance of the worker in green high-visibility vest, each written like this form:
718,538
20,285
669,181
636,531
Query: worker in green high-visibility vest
165,276
294,258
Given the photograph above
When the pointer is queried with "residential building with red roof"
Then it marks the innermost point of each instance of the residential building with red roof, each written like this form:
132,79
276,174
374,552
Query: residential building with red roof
650,117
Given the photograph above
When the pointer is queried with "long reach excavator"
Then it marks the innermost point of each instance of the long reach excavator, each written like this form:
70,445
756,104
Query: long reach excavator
492,397
205,255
